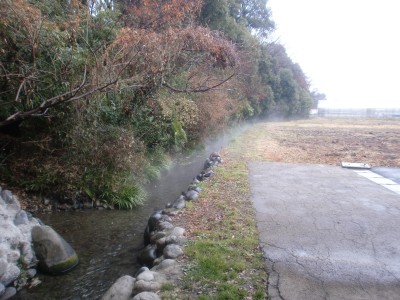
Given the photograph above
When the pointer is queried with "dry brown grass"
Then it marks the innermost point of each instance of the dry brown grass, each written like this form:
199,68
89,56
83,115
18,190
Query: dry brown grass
325,141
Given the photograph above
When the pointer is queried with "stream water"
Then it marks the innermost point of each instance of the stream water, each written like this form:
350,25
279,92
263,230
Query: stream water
108,241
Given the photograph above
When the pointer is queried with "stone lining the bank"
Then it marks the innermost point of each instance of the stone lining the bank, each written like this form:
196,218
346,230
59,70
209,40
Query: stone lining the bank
163,245
18,260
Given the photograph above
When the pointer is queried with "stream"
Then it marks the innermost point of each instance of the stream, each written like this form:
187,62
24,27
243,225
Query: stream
108,241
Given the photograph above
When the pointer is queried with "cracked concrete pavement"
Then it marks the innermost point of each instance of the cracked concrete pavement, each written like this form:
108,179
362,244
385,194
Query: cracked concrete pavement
326,232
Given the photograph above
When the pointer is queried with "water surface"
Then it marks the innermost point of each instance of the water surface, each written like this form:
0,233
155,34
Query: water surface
108,241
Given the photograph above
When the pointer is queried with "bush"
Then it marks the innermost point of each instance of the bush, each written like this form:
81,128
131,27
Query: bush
125,194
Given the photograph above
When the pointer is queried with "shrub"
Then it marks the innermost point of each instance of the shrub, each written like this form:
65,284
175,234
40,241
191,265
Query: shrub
125,193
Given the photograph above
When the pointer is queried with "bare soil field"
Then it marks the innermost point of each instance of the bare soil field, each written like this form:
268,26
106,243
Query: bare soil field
326,141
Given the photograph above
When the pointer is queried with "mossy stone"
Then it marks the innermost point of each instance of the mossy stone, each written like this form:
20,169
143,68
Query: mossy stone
55,255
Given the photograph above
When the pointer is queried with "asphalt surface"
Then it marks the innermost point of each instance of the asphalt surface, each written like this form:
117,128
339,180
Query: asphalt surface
390,173
326,232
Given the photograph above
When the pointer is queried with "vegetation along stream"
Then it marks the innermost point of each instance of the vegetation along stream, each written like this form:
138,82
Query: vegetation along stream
108,241
95,93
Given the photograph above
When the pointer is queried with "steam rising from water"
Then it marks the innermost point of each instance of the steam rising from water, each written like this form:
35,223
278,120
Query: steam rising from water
108,242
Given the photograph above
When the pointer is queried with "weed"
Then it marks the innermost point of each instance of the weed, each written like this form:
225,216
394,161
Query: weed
167,287
127,196
224,257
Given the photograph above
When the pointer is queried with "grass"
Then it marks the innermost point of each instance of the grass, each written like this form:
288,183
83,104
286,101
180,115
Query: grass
223,259
128,195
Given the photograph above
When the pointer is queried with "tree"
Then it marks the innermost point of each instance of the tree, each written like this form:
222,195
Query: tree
47,63
253,14
159,15
203,59
238,18
316,96
103,88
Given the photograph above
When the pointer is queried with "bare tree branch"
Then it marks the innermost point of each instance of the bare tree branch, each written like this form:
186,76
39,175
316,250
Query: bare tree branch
57,100
199,90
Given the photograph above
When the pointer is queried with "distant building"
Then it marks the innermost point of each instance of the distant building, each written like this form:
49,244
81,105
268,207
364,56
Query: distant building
359,112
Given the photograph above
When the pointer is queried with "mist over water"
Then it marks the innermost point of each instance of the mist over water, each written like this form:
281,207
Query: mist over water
108,241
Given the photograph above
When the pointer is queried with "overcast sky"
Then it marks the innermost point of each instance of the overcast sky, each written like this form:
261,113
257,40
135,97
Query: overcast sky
349,49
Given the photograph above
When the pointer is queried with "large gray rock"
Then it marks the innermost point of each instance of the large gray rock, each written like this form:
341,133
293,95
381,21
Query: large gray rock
158,260
167,218
13,256
146,275
9,272
149,281
170,268
172,251
30,273
146,296
7,196
8,293
148,255
179,203
156,236
55,255
178,231
121,289
9,233
164,225
141,270
15,241
170,239
167,263
154,219
147,286
192,195
27,255
3,266
21,218
11,203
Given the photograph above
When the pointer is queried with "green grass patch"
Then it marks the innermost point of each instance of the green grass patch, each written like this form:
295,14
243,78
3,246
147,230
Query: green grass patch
167,287
215,261
224,260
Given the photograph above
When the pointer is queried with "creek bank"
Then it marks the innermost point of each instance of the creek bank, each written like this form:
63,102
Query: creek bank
164,244
54,203
25,245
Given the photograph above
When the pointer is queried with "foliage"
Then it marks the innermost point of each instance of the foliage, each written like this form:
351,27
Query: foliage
156,162
153,58
94,93
160,15
238,18
126,194
267,78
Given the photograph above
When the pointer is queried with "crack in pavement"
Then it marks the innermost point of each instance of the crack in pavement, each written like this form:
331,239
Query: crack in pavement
277,275
319,230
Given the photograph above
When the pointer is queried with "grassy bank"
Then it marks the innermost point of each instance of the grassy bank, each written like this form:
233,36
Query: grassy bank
223,259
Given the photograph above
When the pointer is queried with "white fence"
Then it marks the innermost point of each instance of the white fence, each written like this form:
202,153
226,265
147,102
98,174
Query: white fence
359,112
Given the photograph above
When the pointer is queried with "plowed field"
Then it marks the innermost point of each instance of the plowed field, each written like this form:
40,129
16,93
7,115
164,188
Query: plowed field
326,141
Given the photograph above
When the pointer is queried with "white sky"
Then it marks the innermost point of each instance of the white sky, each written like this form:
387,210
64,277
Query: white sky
349,49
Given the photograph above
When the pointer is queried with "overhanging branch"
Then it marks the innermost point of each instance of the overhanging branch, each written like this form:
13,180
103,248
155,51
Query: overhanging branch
57,100
199,90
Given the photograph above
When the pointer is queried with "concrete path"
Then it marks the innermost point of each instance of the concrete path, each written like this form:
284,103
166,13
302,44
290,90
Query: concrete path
390,173
326,232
